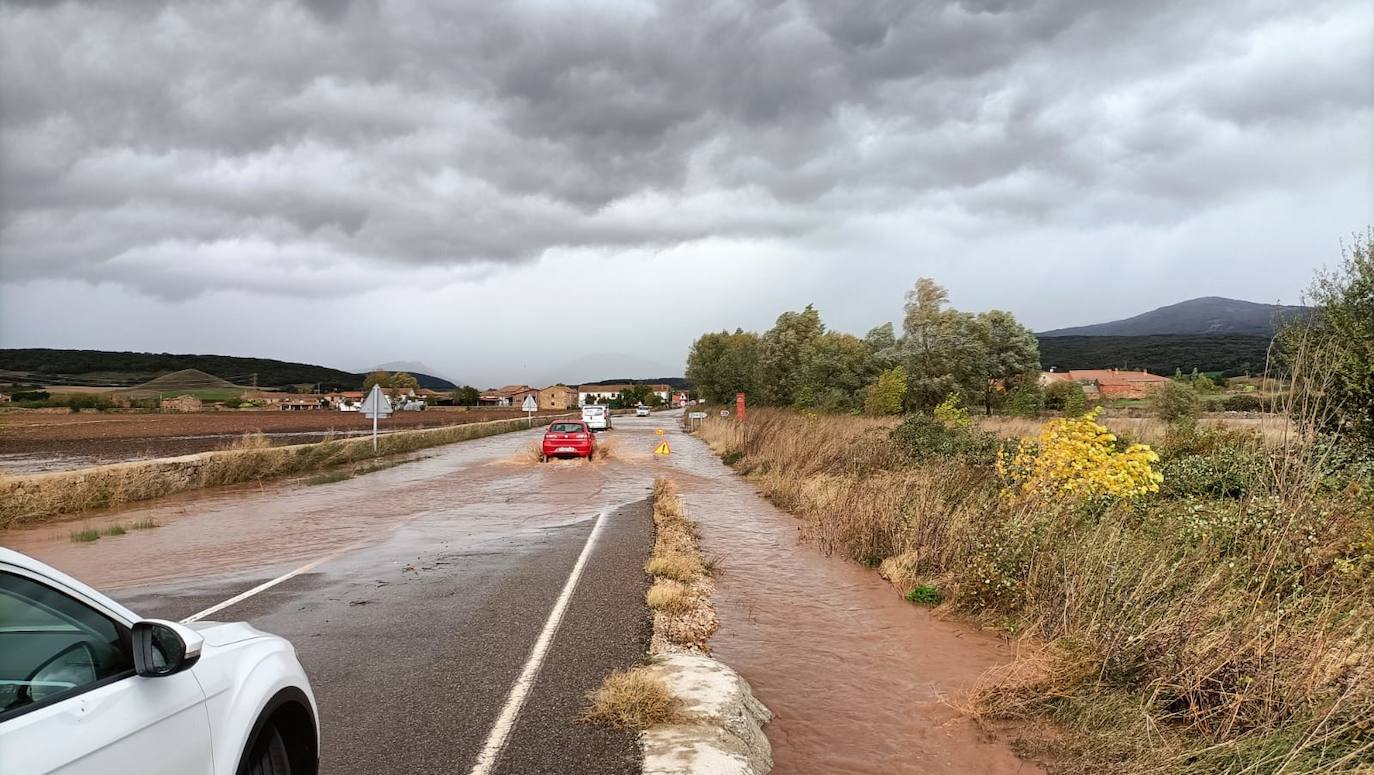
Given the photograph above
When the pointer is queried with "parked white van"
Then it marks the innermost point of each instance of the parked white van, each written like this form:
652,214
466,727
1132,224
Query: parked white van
598,418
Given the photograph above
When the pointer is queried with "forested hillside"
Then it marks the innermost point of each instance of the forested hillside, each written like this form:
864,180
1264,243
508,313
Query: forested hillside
123,369
1233,354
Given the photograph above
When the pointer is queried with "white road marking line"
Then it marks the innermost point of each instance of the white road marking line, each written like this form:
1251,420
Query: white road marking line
266,585
500,731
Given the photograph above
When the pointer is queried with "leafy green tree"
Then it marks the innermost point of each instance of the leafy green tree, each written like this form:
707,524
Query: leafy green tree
722,364
401,381
466,395
880,338
881,342
382,378
1010,355
885,396
783,353
634,395
941,349
834,370
1331,353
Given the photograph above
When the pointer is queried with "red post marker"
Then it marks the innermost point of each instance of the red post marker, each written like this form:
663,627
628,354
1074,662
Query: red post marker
739,407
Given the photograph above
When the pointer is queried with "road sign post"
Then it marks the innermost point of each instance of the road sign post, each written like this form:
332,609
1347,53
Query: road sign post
695,418
375,406
530,406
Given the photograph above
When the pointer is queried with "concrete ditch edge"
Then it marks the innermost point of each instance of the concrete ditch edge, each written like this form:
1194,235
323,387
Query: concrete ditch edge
726,735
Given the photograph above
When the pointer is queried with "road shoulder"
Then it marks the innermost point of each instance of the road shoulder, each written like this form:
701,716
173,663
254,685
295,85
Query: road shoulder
607,628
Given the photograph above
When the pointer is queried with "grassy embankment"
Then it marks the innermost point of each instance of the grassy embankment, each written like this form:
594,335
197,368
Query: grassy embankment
45,497
683,620
1222,624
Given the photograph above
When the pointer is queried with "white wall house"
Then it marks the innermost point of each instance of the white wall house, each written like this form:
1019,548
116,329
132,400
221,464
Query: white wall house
604,393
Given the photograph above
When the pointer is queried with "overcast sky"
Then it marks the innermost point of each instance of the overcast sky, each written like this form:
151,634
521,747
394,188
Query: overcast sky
540,190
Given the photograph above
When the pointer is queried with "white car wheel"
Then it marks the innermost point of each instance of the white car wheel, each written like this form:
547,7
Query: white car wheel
269,755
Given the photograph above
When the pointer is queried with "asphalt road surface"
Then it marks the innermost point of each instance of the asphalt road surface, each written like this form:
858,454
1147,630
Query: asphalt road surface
453,613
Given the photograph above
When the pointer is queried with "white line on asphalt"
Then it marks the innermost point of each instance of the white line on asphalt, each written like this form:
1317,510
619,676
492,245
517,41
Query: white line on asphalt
500,731
266,585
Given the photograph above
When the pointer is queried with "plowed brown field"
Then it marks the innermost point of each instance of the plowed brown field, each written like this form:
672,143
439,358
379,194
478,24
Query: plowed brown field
39,441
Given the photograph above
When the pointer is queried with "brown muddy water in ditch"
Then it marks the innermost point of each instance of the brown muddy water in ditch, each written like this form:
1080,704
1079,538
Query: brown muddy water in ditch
860,679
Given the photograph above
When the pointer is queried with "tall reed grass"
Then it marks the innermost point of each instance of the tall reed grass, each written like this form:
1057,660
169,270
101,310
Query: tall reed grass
49,496
1180,633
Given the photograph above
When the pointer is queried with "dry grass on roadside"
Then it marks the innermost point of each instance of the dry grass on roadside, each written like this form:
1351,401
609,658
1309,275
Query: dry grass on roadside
675,567
670,597
680,596
1194,632
44,497
633,699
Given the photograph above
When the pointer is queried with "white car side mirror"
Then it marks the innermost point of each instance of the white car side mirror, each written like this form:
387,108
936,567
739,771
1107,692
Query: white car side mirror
163,648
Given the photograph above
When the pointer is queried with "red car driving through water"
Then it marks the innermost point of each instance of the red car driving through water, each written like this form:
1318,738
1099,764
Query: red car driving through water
568,438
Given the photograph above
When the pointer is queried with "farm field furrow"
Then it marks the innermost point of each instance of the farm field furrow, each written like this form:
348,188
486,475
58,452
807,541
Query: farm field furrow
34,442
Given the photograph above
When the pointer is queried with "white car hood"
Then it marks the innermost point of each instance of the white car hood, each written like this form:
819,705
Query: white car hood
225,633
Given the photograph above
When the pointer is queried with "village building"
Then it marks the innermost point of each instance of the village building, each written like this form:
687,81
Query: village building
557,397
1107,383
605,393
345,400
303,404
510,395
186,403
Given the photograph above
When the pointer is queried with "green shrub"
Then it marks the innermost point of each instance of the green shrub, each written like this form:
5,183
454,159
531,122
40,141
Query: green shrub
952,413
1026,400
1175,402
925,595
1347,466
923,437
886,394
1229,474
1244,402
1067,397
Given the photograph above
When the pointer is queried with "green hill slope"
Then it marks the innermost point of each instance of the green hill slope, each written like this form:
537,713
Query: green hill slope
129,369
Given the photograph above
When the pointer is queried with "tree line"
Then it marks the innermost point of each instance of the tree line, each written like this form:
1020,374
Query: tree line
941,351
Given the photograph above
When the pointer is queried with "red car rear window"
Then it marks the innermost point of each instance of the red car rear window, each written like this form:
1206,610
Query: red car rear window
567,427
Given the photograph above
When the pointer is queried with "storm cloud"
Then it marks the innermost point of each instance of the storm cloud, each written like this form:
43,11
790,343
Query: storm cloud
319,149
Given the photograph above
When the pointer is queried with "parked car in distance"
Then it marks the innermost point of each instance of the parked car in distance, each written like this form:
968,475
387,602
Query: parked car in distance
597,418
570,438
87,687
642,411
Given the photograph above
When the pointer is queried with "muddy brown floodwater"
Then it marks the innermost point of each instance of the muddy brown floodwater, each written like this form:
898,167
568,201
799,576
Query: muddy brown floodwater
858,677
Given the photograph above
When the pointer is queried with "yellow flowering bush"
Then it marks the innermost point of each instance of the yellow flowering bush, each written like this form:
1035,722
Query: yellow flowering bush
1078,458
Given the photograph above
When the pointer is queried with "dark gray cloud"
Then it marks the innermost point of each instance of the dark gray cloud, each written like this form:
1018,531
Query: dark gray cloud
311,146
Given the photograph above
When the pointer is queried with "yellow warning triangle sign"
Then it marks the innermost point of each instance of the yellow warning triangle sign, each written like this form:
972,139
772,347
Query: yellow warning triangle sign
662,448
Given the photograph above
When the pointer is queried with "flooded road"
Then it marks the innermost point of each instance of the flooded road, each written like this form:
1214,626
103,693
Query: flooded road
453,559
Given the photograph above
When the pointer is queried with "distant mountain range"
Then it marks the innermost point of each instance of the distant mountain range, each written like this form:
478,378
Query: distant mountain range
1207,315
126,369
